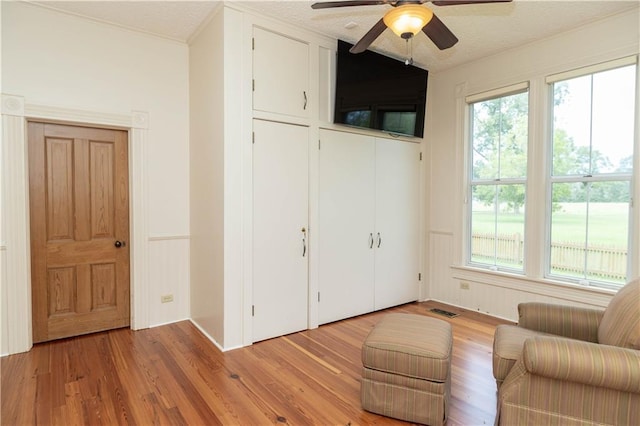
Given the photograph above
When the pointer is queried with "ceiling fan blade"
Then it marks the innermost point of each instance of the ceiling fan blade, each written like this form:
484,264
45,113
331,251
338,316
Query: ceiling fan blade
438,32
457,2
328,4
369,37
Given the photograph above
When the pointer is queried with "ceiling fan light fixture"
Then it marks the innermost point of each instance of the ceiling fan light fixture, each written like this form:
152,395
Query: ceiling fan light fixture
407,19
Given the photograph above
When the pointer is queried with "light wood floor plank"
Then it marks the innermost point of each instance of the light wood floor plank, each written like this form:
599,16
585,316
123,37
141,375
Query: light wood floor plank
172,375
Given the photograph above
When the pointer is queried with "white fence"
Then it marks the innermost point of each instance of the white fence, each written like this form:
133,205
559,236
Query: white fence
604,262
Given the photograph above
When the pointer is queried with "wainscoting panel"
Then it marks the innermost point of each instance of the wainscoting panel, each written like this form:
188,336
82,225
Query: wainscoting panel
441,285
493,293
500,302
4,328
168,276
503,302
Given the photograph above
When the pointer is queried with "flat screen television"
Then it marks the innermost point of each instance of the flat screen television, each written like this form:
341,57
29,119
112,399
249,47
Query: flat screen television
378,92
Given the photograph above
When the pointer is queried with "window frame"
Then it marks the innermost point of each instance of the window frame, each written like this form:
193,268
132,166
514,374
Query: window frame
551,179
514,89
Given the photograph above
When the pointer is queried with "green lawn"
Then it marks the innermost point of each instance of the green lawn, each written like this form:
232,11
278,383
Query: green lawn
609,223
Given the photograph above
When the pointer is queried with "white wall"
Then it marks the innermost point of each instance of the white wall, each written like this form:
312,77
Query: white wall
497,294
206,68
60,60
218,92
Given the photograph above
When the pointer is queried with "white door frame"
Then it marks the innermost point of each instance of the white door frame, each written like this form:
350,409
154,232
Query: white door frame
15,235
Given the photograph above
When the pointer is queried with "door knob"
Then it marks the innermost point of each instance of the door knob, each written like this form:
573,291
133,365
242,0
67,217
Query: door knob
119,244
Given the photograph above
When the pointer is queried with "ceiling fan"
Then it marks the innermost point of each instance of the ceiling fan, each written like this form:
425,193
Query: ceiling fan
406,19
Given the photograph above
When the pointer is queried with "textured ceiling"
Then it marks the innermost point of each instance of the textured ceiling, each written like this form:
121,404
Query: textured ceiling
482,29
176,20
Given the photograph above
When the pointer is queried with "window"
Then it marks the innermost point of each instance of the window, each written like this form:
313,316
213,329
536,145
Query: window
591,170
573,194
498,172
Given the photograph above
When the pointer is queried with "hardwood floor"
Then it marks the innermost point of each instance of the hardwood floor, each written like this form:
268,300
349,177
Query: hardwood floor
173,375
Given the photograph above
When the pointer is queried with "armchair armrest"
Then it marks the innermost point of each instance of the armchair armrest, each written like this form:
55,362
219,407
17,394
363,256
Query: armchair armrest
587,363
561,320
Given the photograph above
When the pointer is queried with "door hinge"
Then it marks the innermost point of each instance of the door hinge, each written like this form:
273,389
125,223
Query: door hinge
253,137
419,276
318,143
318,296
253,43
253,310
253,85
420,156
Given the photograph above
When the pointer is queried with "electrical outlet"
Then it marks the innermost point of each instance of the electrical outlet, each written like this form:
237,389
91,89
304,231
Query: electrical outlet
464,285
166,298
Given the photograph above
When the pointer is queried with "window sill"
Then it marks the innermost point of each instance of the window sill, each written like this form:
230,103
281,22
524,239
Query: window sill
555,289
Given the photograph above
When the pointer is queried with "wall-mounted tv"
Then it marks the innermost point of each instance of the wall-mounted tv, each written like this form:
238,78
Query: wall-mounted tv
377,92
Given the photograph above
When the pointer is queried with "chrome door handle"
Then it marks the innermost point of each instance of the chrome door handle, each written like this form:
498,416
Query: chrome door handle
370,240
119,244
379,240
304,93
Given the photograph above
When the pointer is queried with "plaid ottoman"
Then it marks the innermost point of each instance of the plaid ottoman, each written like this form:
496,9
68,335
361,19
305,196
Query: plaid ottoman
407,369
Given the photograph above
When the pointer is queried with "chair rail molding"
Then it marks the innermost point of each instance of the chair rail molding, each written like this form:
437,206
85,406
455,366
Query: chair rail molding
15,208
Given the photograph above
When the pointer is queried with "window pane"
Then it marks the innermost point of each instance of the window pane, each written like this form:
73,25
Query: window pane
499,131
589,230
497,226
608,237
483,224
613,114
568,229
485,143
593,123
571,127
513,142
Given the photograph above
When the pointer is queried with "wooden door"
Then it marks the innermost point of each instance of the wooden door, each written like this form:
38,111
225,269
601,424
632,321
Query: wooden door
346,225
280,74
79,204
397,216
280,237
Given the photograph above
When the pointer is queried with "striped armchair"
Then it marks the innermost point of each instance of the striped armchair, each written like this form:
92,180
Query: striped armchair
571,366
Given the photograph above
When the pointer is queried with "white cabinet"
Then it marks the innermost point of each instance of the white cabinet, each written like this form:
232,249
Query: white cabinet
346,225
397,222
280,74
280,215
251,201
368,224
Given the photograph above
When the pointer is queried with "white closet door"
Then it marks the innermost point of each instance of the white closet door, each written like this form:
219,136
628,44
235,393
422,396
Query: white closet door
397,215
346,203
280,74
280,213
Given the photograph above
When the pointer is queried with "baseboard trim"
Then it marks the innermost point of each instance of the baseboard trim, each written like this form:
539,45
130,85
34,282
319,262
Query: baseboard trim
208,336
